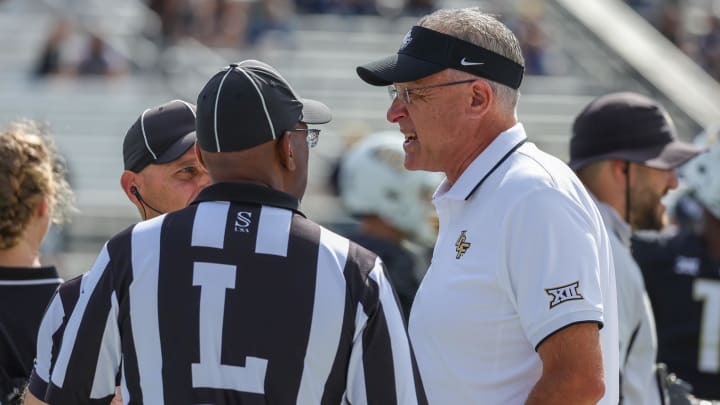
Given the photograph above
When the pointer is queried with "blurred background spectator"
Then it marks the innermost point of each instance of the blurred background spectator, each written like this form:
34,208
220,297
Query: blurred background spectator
691,25
533,41
69,51
50,61
98,59
681,271
392,208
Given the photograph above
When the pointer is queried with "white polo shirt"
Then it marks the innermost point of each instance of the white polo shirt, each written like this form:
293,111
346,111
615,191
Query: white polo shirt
518,257
636,323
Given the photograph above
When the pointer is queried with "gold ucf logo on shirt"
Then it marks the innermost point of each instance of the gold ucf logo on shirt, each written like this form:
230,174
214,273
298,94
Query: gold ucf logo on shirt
461,246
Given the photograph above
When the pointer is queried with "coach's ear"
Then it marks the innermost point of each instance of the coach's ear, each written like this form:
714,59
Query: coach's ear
482,98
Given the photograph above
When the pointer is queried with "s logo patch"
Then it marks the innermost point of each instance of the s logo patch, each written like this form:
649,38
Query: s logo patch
564,293
243,221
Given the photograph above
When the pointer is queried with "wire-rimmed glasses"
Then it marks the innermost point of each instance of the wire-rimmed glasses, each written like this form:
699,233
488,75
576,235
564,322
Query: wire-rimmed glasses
312,135
405,92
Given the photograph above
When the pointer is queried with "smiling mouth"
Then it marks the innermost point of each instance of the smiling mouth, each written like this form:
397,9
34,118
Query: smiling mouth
410,137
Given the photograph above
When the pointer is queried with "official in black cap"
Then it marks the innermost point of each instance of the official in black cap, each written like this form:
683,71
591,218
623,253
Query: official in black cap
239,298
162,173
624,148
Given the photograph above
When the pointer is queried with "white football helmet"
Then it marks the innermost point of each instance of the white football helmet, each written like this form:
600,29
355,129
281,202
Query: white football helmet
702,176
373,181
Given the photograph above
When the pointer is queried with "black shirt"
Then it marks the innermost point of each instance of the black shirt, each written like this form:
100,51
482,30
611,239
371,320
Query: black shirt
24,295
684,288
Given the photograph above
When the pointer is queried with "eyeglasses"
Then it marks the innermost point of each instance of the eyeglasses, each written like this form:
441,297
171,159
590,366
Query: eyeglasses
312,135
406,91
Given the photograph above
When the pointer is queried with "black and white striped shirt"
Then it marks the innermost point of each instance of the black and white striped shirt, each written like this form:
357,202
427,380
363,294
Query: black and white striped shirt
49,334
237,299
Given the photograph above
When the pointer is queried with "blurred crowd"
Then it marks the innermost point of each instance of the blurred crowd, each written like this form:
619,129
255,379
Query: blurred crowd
243,23
71,52
692,25
75,50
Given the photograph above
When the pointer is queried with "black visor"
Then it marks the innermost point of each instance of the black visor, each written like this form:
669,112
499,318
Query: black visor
424,52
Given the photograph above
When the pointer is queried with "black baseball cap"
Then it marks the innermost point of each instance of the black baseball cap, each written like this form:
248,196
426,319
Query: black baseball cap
160,135
249,103
627,126
425,52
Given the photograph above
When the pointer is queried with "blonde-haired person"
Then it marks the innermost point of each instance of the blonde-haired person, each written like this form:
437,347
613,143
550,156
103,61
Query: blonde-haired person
33,193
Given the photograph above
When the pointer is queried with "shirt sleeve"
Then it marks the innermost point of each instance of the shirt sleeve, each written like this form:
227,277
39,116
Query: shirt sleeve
382,367
51,322
89,356
556,254
50,334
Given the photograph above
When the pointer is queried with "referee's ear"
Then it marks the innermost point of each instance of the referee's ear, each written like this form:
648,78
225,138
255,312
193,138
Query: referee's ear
127,182
284,150
199,156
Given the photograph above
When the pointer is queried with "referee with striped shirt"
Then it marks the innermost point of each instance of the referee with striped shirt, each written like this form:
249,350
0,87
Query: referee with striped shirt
158,156
239,299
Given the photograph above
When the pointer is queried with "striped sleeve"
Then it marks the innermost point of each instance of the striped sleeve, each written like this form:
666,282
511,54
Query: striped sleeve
50,333
51,322
382,368
89,357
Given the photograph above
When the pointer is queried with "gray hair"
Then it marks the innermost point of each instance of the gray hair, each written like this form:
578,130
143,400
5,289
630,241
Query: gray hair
474,26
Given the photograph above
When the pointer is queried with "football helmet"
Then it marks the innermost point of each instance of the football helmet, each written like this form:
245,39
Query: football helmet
702,176
373,181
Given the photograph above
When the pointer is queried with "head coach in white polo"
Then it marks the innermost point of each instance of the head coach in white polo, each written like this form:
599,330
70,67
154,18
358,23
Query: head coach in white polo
519,302
239,299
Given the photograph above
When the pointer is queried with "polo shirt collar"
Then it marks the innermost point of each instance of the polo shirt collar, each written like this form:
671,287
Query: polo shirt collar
27,273
483,165
614,222
249,193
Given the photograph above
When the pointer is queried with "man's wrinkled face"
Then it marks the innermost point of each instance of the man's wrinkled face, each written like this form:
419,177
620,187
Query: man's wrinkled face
172,186
428,116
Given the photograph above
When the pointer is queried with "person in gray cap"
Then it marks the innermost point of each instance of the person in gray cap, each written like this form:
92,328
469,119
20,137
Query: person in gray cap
518,305
624,148
239,298
161,173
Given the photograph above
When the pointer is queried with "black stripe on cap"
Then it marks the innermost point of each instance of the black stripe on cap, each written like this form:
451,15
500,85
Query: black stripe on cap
442,49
